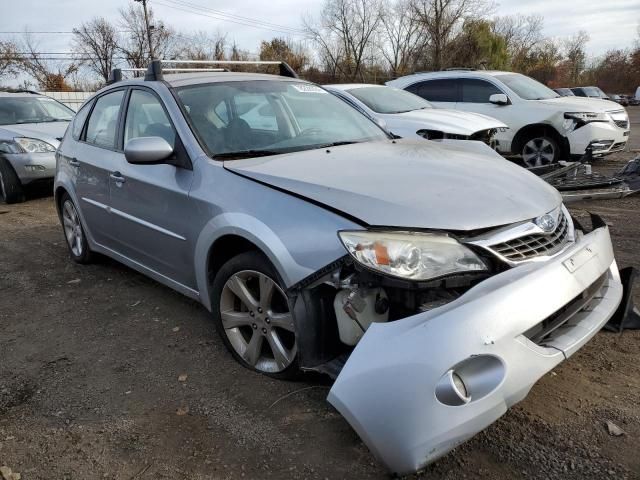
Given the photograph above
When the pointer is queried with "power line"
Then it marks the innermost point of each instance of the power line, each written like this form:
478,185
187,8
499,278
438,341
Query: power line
237,17
202,14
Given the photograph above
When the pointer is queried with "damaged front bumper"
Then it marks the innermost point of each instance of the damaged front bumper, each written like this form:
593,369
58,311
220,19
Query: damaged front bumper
397,390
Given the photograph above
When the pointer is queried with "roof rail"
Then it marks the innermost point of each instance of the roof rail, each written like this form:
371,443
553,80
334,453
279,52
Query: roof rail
453,69
155,70
18,90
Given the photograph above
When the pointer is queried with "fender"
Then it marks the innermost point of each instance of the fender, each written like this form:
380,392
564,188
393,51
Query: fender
256,232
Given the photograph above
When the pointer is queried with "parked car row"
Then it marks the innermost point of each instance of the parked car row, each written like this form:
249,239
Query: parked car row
543,126
435,281
595,92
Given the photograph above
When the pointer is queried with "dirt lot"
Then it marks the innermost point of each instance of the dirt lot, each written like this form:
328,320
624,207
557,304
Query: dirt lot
90,359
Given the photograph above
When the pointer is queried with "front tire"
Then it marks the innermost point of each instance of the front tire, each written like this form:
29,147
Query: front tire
253,317
540,150
74,232
11,190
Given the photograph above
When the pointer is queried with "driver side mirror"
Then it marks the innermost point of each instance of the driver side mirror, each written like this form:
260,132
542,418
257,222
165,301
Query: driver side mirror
499,99
147,150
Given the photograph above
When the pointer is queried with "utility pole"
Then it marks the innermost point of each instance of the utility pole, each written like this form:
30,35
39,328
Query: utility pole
147,26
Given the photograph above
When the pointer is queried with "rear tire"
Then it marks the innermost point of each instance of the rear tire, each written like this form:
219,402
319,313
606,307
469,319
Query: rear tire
253,317
74,234
11,190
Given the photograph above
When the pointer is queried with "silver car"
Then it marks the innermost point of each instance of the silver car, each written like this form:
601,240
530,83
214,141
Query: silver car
436,283
31,127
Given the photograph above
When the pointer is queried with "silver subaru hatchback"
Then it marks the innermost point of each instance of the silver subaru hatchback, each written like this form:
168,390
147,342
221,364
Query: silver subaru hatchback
435,282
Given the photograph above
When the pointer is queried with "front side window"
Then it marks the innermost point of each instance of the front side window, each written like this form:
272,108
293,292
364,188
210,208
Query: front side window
445,90
389,100
35,109
103,122
477,91
267,117
526,87
147,118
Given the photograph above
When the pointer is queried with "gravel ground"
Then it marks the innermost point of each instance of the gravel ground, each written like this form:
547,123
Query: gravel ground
90,360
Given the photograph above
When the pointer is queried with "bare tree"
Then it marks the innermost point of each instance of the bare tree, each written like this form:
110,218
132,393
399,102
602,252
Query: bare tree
344,32
135,44
96,41
50,75
442,20
203,46
8,59
522,34
575,55
401,38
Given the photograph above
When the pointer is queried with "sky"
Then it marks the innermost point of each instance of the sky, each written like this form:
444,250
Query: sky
610,23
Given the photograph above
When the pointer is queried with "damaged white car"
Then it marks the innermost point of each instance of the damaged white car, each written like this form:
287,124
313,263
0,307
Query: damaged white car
407,115
435,282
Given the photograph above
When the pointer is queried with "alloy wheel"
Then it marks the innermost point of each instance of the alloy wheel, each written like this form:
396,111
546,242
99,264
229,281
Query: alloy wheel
538,152
257,321
72,228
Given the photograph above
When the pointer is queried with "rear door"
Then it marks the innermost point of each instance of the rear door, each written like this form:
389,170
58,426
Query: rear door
150,203
442,92
94,157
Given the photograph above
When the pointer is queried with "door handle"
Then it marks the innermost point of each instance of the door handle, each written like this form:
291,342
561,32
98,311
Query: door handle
74,162
118,178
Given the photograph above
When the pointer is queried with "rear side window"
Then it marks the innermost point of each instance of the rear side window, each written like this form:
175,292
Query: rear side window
79,120
103,122
146,118
477,91
445,90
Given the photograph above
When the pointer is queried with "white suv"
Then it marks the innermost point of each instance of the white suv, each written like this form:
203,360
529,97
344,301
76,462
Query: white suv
543,127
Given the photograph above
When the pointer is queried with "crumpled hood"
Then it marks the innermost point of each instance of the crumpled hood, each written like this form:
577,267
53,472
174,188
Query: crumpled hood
409,184
445,120
50,132
582,104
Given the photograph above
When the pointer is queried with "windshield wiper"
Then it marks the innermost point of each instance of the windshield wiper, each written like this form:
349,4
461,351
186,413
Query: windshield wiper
336,144
245,154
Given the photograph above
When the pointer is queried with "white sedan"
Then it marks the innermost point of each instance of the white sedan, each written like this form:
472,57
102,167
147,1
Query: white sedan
409,116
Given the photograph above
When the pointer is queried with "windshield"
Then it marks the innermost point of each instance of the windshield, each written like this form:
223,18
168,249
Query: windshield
389,100
527,88
15,110
267,117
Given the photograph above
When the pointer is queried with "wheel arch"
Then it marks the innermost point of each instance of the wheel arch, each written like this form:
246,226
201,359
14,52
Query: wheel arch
521,137
230,234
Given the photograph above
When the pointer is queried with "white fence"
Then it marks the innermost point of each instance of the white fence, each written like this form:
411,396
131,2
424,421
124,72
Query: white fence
72,100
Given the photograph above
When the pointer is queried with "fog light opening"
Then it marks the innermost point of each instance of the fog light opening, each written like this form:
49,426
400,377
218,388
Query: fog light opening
460,387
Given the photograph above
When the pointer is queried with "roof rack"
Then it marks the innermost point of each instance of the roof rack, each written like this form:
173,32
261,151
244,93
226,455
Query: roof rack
18,90
155,70
464,69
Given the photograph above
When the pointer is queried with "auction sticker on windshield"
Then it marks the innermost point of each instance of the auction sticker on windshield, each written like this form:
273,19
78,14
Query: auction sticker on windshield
304,88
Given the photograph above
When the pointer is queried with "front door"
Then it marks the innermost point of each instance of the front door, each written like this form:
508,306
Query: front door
150,206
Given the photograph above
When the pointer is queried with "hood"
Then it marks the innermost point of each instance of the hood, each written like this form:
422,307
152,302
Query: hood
50,132
409,184
582,104
444,120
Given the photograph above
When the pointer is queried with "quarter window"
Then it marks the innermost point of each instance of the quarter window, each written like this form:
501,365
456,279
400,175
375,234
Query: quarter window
444,90
79,120
147,118
477,91
103,122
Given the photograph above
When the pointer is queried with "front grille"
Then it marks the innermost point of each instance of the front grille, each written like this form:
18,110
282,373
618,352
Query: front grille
543,332
531,246
622,123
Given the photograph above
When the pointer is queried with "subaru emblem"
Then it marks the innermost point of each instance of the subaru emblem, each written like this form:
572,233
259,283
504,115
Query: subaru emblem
546,222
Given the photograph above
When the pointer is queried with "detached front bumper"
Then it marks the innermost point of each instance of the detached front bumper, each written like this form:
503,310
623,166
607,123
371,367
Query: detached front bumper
388,389
604,137
32,166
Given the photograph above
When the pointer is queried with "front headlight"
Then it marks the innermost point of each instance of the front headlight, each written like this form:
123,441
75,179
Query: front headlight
7,146
412,256
586,117
33,145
